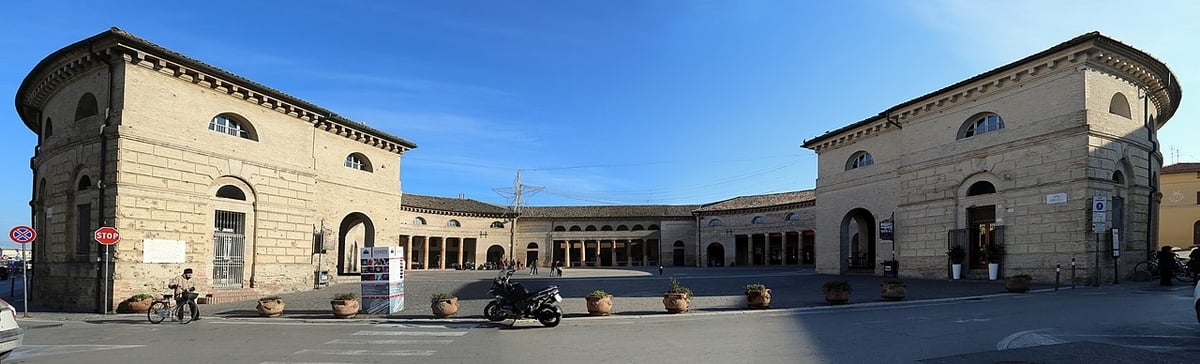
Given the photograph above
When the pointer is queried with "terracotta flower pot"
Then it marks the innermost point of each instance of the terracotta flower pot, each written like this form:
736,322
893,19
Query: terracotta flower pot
140,306
675,302
445,308
892,291
1017,284
599,306
758,299
837,297
270,308
345,308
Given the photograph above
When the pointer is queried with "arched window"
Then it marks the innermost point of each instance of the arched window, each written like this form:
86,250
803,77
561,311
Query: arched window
453,223
358,161
715,222
792,216
231,192
652,227
85,183
575,228
622,228
1119,105
232,125
979,124
531,246
86,106
497,225
858,160
637,227
1118,177
981,188
606,228
418,221
47,129
758,220
560,228
590,228
678,244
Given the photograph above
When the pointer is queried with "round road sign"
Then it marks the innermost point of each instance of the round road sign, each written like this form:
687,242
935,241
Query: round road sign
22,234
107,235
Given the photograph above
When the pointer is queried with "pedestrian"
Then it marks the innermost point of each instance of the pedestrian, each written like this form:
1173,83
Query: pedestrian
558,268
1194,264
533,266
660,269
1166,266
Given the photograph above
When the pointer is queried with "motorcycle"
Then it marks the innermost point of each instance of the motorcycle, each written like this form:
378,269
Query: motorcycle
515,302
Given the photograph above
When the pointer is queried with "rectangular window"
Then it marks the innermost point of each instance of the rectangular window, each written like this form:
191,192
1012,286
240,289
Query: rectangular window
83,228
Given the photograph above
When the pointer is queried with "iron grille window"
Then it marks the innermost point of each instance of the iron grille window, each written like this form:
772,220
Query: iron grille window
229,242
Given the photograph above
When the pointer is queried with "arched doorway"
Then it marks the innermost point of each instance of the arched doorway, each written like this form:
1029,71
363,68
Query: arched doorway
356,231
716,255
857,235
495,254
679,253
531,254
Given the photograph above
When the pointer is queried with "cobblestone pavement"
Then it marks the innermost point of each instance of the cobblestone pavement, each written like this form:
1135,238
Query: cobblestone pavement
637,292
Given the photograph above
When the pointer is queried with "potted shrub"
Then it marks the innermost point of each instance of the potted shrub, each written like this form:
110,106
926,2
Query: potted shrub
837,292
345,305
994,253
677,297
443,305
599,303
1018,283
758,296
270,306
140,302
892,289
957,255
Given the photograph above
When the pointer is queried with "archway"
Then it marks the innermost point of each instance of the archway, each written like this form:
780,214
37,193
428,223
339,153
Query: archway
531,254
356,231
678,254
495,254
716,255
857,235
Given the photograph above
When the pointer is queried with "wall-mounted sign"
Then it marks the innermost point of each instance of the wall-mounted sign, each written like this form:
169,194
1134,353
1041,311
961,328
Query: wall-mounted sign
1056,198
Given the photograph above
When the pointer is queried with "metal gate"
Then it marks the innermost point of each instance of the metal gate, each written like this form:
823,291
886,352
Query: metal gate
229,241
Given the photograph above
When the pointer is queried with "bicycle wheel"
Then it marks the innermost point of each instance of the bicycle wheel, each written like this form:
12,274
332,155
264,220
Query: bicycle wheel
157,312
185,313
1182,274
1148,267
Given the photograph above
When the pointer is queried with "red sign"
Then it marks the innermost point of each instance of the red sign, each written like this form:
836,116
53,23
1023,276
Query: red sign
107,235
22,234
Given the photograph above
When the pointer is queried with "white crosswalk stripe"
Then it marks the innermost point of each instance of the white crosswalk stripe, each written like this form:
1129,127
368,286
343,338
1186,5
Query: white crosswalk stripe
390,339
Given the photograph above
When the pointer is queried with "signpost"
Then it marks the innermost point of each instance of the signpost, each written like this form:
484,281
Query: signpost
887,230
106,235
22,234
1100,226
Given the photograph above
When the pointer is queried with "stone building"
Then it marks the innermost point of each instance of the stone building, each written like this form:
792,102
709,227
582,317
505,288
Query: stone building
1009,158
1179,225
197,167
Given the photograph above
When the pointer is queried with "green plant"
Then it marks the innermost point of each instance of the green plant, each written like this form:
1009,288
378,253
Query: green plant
270,298
675,287
957,254
837,286
439,297
755,287
345,296
140,296
598,294
994,252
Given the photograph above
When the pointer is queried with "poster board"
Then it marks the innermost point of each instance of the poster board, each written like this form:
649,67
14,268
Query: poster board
382,277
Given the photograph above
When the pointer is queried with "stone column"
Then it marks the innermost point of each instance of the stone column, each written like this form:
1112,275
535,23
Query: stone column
459,254
425,252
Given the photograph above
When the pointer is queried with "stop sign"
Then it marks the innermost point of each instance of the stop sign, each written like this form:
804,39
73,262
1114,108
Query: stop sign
107,235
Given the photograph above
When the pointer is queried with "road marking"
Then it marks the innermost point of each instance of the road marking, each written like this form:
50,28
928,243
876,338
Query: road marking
430,326
30,351
366,352
1026,339
409,333
283,323
388,342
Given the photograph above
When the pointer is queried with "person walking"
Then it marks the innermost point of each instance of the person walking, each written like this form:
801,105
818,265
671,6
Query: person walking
1166,266
660,269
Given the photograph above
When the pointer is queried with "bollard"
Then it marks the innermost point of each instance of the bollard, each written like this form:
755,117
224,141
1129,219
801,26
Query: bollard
1057,273
1072,272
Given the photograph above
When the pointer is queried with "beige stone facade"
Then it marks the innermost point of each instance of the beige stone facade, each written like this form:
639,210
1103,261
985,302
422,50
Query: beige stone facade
1179,224
1012,157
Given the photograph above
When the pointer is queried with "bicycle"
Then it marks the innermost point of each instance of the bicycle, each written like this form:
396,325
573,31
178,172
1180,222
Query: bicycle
166,307
1180,273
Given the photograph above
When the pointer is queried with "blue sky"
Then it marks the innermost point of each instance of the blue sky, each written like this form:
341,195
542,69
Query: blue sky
598,102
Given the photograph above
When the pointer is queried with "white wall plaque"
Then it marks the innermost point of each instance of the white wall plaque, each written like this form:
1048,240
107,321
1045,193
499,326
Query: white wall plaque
1056,198
163,251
